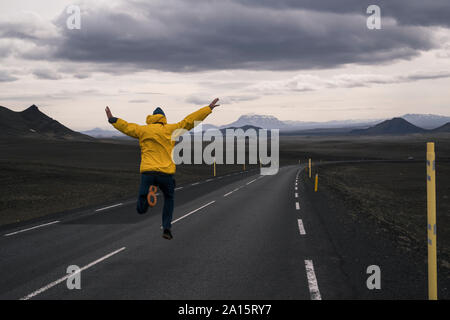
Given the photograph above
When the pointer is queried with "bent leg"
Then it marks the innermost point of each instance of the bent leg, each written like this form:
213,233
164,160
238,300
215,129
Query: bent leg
142,203
167,186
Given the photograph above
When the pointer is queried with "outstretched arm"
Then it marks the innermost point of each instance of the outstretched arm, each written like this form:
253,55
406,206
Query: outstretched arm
130,129
194,118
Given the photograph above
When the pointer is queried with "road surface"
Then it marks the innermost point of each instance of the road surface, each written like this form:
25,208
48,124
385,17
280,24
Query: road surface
240,236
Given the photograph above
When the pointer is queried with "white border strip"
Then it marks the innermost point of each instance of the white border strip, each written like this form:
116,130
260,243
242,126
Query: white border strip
35,227
312,281
54,283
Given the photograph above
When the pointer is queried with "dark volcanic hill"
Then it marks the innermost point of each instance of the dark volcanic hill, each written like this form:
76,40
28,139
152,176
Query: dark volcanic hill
393,126
444,128
32,123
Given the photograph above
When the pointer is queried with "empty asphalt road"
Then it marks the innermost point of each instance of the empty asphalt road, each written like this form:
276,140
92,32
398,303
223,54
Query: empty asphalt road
241,236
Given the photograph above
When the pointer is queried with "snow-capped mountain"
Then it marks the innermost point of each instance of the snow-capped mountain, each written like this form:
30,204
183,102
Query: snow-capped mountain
426,121
271,122
257,120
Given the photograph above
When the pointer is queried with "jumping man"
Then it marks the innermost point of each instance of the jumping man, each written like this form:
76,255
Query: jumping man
157,167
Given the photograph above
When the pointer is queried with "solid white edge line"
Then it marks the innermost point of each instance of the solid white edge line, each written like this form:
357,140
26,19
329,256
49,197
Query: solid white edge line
297,206
251,181
301,227
28,229
312,281
193,211
113,206
56,282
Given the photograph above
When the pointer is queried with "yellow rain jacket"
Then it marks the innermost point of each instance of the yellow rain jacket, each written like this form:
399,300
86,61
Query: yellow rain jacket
155,138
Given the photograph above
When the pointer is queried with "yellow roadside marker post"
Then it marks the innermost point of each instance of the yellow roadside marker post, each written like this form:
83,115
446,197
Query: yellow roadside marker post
431,217
244,166
309,170
316,185
214,167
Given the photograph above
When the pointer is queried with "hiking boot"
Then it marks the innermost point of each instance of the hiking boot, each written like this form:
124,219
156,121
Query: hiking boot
167,234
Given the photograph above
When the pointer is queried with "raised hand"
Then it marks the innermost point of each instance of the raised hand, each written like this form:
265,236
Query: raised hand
213,104
108,113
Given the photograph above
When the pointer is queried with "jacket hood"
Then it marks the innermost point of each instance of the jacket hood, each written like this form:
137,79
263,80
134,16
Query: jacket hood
154,118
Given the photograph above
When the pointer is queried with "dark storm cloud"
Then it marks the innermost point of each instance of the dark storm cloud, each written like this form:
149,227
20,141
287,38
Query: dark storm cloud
183,36
407,12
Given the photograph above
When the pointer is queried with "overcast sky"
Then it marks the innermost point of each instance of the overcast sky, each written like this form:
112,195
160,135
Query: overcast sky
301,60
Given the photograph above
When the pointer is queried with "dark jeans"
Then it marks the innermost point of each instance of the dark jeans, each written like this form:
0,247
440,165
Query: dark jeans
165,183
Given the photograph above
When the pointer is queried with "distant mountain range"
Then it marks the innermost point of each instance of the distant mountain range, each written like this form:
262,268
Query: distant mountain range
398,126
393,126
32,123
271,122
102,133
426,121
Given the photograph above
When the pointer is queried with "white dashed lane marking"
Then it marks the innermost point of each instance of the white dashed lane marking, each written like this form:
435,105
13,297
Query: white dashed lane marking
109,207
193,211
32,228
56,282
312,281
301,228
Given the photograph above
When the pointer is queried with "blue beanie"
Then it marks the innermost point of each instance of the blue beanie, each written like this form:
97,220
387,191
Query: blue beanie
159,111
